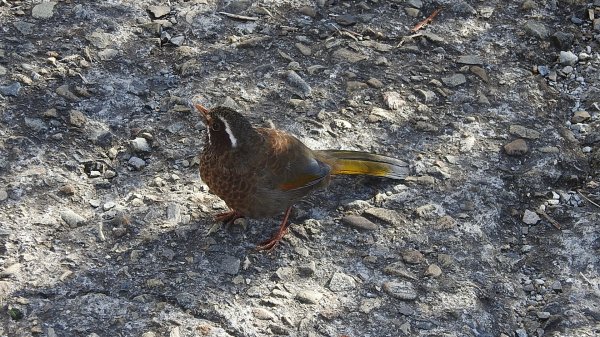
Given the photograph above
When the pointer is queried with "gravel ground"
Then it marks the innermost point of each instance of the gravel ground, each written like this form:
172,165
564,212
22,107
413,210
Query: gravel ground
106,228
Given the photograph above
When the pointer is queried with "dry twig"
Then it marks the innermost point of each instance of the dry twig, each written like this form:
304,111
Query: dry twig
239,17
425,22
549,219
587,199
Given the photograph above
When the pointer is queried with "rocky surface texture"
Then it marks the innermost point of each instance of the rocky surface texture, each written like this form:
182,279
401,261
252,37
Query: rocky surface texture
106,228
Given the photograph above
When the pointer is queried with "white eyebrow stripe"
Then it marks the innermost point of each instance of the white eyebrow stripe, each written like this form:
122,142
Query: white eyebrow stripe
229,132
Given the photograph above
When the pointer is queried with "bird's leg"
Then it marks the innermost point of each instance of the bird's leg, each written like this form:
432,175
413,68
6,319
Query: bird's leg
228,217
268,245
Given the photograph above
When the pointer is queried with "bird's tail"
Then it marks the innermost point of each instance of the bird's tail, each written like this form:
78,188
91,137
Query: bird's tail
356,162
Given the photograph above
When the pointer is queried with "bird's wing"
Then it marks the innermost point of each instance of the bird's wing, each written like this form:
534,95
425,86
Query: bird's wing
292,169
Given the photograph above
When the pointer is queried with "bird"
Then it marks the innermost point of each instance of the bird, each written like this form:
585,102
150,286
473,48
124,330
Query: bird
263,172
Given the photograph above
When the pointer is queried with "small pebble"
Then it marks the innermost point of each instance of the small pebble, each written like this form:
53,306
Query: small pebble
401,290
309,296
517,147
530,218
433,270
263,314
77,118
358,222
136,163
340,282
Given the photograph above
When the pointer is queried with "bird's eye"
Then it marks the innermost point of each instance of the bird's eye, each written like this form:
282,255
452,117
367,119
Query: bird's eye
215,127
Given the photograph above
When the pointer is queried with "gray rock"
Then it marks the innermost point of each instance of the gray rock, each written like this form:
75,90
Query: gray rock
563,40
530,218
71,218
44,10
387,215
100,39
580,116
393,100
65,92
537,29
567,58
340,282
346,55
358,222
3,70
433,270
412,12
23,27
263,314
108,54
517,147
230,264
470,60
308,269
521,333
309,296
454,80
413,256
345,20
415,3
140,144
304,49
11,89
402,290
399,269
77,118
136,163
36,124
3,195
524,132
302,88
159,11
375,83
174,213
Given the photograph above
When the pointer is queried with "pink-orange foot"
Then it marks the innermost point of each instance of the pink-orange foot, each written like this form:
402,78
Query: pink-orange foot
228,217
268,245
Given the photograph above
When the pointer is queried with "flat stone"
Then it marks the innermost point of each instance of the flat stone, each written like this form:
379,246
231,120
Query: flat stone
454,80
359,222
301,87
108,54
308,11
3,195
346,55
340,282
517,147
309,296
345,20
524,132
433,270
44,10
11,89
304,49
375,83
393,100
3,70
100,39
412,12
159,11
77,118
356,85
580,116
263,314
567,58
470,60
530,218
65,92
387,215
140,144
23,27
36,124
537,29
71,218
136,163
481,73
413,256
398,268
402,290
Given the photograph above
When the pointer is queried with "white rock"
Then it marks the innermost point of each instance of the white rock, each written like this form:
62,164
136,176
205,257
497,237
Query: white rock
530,218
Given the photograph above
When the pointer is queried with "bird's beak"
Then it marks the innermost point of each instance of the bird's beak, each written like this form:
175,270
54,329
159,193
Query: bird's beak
204,112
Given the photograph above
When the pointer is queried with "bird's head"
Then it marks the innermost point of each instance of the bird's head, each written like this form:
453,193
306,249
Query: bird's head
226,128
